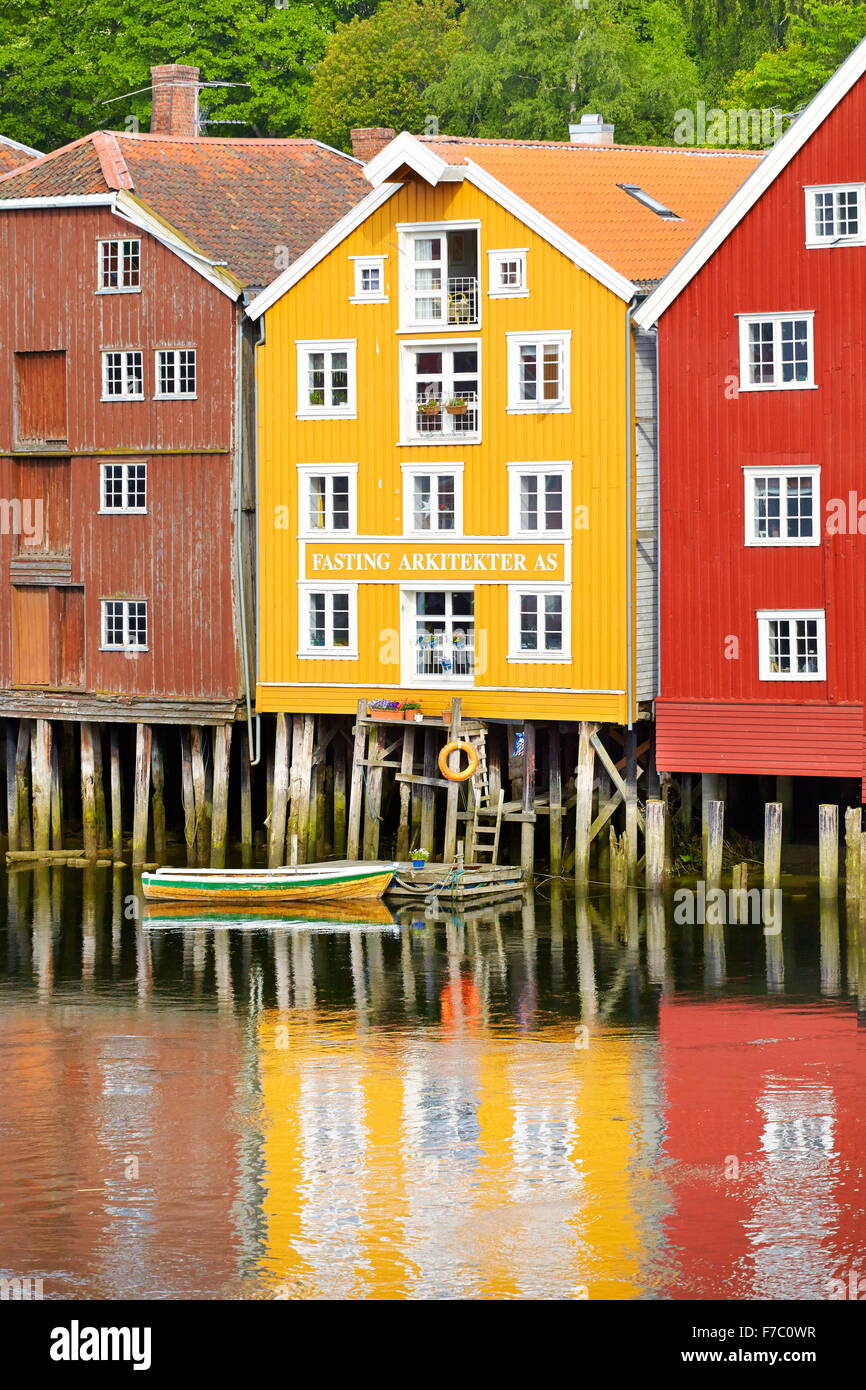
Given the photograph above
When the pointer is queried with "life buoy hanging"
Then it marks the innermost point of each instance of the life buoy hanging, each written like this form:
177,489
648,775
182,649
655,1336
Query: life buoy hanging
458,746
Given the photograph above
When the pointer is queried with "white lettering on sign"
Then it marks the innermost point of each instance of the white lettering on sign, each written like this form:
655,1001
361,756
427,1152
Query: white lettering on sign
415,562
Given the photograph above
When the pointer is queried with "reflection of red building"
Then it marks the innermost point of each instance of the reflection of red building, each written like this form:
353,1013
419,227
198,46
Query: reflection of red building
765,1130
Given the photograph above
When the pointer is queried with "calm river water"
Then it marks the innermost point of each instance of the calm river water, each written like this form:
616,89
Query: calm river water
525,1101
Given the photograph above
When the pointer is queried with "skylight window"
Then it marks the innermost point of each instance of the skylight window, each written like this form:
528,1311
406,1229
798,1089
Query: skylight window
634,191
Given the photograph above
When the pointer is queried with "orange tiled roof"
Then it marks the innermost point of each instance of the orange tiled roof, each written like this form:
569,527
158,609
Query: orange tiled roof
577,187
237,201
12,155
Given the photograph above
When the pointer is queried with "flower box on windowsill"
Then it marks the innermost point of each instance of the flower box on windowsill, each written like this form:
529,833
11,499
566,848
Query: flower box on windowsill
386,714
457,407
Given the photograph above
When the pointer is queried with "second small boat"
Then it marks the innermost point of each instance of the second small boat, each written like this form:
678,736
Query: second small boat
339,881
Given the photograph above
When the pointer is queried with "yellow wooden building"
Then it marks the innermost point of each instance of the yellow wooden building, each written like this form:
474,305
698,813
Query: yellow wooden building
456,437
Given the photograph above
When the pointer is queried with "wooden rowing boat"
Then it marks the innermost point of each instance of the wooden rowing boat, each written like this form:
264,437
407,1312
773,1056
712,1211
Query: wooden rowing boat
340,881
257,916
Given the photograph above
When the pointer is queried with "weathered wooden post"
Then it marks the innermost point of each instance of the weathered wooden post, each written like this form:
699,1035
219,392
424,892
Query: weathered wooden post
686,801
88,792
452,796
277,833
188,795
22,784
655,845
853,838
618,863
527,827
222,746
340,808
772,844
715,842
407,762
142,790
246,799
375,753
709,792
555,798
583,808
56,797
157,773
11,790
356,789
199,786
99,788
116,795
303,735
41,761
428,793
828,851
631,810
605,791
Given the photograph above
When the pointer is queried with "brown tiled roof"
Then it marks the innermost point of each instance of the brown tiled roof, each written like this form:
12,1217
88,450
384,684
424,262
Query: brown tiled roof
253,204
580,189
13,155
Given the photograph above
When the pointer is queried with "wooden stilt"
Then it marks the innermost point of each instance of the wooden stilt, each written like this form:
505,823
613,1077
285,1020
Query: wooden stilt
583,809
11,790
56,796
772,844
99,788
555,794
686,801
655,845
785,797
246,799
372,819
116,794
618,863
324,822
494,762
188,794
356,791
828,851
157,773
269,777
88,792
22,784
277,835
853,836
303,737
340,807
41,763
527,828
452,796
428,803
222,746
715,842
605,792
631,808
142,790
407,762
199,786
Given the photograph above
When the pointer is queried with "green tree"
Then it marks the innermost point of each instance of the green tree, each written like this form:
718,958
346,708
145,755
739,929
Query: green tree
530,66
60,60
818,40
727,35
375,71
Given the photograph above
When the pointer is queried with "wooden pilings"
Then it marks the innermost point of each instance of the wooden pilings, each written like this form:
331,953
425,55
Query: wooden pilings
772,844
88,792
280,795
655,845
583,813
141,794
715,821
116,794
222,743
828,850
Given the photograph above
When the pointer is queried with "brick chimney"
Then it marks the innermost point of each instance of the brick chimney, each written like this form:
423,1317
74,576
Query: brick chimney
174,108
591,130
369,140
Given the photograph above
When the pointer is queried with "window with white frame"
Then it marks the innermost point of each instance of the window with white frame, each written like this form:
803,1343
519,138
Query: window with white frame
538,623
791,645
328,498
124,624
119,266
175,373
782,506
440,388
539,499
124,487
432,499
835,215
538,371
442,633
328,620
507,274
326,379
776,352
369,280
123,376
439,276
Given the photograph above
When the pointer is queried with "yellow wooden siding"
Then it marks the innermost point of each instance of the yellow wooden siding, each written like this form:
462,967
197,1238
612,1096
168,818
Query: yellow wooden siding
592,436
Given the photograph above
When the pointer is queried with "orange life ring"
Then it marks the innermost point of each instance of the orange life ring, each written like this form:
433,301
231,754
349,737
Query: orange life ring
458,746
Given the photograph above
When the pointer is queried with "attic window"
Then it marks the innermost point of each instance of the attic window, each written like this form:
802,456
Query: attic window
652,203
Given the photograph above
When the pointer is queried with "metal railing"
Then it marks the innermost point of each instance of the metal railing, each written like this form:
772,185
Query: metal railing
463,299
441,655
437,416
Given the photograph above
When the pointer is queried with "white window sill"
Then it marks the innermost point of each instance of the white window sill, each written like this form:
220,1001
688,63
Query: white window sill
325,414
443,683
122,511
792,676
536,658
125,651
428,327
328,533
542,535
121,289
830,243
368,299
783,386
448,441
327,653
432,535
120,400
508,294
160,397
540,408
783,543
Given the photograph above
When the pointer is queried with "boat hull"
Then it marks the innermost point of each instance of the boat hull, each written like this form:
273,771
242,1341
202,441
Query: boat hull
271,887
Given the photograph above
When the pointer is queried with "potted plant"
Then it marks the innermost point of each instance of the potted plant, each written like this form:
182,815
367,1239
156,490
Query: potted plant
317,398
419,858
430,406
385,709
411,710
457,406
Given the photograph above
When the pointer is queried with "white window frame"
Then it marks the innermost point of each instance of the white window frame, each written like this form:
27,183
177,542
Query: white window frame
174,395
516,471
306,652
750,474
777,319
407,234
116,289
515,593
815,242
362,296
768,615
308,471
409,628
123,395
125,645
495,261
562,338
436,469
124,509
408,404
304,347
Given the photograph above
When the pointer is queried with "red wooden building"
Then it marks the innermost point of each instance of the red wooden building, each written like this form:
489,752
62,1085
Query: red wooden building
126,431
762,355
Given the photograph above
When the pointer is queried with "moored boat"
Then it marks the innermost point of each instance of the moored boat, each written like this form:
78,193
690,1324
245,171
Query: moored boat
339,881
327,917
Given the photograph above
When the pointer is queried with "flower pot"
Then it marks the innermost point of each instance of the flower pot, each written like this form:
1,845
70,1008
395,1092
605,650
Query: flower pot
461,408
446,715
386,713
410,715
419,863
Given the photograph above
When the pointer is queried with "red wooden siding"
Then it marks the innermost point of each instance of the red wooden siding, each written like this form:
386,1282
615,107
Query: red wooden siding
45,482
40,398
712,584
781,739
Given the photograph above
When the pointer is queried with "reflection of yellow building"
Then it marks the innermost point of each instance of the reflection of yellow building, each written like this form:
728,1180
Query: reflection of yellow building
457,1161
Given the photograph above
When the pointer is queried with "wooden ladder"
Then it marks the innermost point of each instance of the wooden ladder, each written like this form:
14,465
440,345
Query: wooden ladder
482,836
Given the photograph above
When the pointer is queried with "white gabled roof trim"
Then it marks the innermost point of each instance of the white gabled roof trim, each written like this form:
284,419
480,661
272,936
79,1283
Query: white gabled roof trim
72,200
765,173
321,248
407,149
17,145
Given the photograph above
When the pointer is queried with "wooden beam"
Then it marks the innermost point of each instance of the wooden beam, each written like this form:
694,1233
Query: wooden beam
588,746
340,808
407,763
56,796
199,786
22,784
157,773
375,748
631,809
188,794
428,804
41,762
11,790
88,795
527,830
277,831
246,798
142,789
116,793
222,744
356,790
452,796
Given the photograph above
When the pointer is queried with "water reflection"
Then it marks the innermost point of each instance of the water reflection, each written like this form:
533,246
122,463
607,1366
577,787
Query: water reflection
540,1098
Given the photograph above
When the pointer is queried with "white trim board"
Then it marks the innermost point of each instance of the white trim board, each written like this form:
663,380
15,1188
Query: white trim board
747,195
